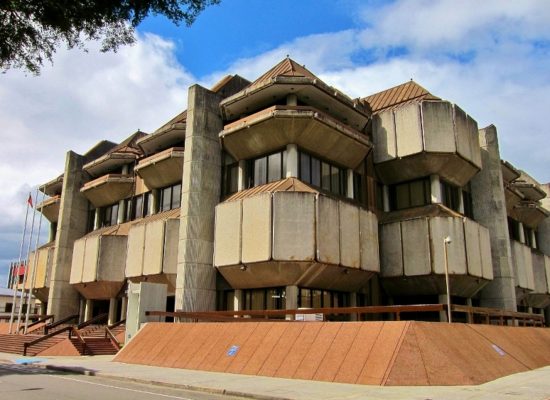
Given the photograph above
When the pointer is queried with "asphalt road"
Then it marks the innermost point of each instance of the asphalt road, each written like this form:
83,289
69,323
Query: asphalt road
25,382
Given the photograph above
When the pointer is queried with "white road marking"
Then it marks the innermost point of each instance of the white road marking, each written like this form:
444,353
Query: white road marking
121,388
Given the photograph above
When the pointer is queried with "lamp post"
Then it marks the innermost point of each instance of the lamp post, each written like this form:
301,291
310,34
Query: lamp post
446,241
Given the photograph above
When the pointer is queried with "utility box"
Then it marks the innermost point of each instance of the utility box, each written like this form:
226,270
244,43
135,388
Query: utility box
142,297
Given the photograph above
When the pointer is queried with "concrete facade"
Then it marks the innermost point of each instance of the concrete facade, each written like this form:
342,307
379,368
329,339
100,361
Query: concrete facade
284,193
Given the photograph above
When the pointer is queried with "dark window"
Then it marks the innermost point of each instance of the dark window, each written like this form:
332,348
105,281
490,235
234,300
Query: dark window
230,178
450,196
468,206
9,307
409,194
315,298
138,206
513,229
266,169
110,215
170,197
264,299
358,188
379,196
527,234
322,174
91,220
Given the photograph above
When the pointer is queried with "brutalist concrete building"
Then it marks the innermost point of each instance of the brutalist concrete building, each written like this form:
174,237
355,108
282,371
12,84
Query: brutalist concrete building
284,193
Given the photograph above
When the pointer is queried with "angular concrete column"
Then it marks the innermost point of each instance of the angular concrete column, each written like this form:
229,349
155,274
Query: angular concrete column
489,206
349,184
121,212
97,218
291,161
291,300
435,186
111,318
89,310
386,198
238,300
155,203
442,299
521,233
353,303
123,308
196,276
63,300
241,178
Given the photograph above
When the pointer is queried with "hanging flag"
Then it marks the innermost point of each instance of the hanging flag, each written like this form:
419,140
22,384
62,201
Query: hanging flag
29,200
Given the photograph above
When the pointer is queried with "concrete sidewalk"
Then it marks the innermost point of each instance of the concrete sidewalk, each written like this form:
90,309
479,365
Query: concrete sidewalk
532,385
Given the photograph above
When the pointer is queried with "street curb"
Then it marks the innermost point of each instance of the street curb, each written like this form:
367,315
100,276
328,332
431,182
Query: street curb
77,370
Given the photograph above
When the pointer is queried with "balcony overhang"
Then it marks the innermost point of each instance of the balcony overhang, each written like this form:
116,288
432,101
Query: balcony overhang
53,187
509,172
275,127
162,169
108,189
50,208
513,197
530,213
530,191
308,91
162,139
109,162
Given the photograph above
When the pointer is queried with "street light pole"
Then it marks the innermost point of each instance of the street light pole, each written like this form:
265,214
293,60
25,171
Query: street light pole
446,241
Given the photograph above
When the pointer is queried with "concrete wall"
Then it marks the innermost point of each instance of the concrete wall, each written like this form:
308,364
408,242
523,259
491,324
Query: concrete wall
415,247
43,268
63,299
523,265
489,206
303,227
441,136
99,259
152,248
196,277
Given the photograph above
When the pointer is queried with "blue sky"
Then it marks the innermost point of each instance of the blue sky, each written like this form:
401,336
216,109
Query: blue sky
492,58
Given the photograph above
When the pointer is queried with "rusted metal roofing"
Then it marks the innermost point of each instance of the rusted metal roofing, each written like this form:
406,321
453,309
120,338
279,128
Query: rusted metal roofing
404,93
124,228
287,67
181,118
284,185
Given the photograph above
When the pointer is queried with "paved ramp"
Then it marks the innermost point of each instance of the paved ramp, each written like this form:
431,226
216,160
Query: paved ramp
371,353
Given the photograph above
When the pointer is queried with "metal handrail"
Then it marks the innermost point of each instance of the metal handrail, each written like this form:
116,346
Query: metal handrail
41,318
45,337
92,321
122,321
109,335
74,331
48,327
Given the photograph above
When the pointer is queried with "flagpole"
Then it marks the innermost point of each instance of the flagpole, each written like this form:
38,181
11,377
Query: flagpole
25,276
35,261
19,263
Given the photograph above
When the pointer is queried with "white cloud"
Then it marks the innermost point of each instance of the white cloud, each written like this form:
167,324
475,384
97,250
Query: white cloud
82,99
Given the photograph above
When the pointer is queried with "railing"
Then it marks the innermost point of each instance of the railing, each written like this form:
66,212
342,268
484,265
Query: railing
122,321
45,337
41,318
109,335
74,331
94,320
485,315
48,327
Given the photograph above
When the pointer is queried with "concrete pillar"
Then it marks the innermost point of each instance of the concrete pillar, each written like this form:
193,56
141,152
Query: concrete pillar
63,300
291,300
521,233
349,183
123,308
97,218
292,100
111,319
154,206
196,276
435,186
241,179
43,309
489,206
121,212
238,300
386,198
353,303
89,310
442,299
534,240
81,310
460,202
291,161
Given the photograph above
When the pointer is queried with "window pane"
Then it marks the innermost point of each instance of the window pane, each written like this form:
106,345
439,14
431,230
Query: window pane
316,299
114,214
305,298
275,164
260,172
315,172
305,173
326,299
257,299
147,201
165,199
402,196
176,196
335,180
325,176
233,177
417,194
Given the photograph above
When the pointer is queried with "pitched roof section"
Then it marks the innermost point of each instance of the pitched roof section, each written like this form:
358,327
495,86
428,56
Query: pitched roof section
287,67
284,185
181,118
404,93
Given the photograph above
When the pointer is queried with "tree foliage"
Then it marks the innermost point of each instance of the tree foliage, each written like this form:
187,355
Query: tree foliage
30,30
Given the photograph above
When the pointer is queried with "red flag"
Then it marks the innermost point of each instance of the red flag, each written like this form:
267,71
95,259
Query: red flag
29,200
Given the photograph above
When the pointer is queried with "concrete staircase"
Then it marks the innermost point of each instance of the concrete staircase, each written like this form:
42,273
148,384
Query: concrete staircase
15,344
